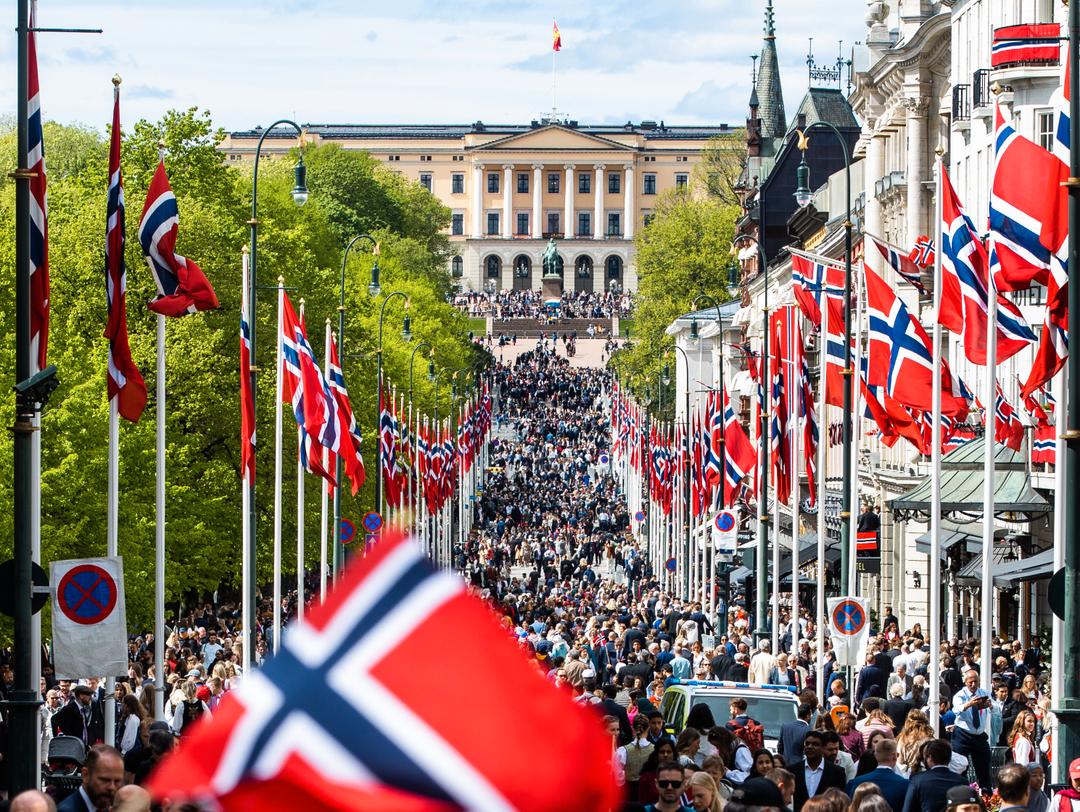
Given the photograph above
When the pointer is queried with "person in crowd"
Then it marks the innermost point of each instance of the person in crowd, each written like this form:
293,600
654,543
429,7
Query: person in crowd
971,734
1068,799
1022,738
704,793
669,786
892,786
927,789
1038,801
815,774
792,733
1014,786
763,762
102,776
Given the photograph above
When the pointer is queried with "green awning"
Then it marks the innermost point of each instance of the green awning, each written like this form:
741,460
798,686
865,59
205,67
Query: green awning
1033,568
962,487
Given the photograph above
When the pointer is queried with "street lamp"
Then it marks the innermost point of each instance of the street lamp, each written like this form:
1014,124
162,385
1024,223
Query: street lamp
761,577
803,195
300,196
406,335
848,373
339,551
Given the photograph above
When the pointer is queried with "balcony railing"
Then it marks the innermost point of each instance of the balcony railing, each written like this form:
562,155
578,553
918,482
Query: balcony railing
961,102
980,88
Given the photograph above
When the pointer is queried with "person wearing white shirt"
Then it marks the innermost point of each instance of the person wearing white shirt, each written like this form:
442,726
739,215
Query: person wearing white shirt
762,663
972,727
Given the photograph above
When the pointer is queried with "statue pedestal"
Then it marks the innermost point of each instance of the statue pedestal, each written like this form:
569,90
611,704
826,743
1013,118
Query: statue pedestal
551,287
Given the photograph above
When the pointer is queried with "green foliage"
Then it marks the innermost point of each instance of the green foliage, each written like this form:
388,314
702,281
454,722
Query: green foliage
682,253
349,193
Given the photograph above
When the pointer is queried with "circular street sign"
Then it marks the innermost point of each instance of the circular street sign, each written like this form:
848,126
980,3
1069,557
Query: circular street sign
640,516
725,521
848,618
348,531
372,521
670,565
86,594
604,459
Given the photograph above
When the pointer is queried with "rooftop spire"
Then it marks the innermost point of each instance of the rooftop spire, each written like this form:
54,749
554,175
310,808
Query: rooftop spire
770,22
767,84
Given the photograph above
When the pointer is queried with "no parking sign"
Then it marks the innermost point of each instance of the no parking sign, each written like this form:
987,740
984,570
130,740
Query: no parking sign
849,629
89,620
725,533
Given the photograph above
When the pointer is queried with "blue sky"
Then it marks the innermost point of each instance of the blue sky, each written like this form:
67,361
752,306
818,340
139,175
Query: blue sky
408,61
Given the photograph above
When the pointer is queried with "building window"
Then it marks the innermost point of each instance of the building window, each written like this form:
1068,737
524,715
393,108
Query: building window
650,184
457,224
523,183
553,183
425,181
1044,129
493,223
681,181
553,222
584,183
614,267
614,224
457,183
457,267
457,157
522,223
647,218
584,224
493,267
493,182
614,183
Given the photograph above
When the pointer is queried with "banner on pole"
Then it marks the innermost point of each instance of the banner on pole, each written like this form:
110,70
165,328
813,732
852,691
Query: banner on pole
849,629
725,535
89,619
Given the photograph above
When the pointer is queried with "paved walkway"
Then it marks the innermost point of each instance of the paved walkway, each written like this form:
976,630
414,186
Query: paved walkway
589,351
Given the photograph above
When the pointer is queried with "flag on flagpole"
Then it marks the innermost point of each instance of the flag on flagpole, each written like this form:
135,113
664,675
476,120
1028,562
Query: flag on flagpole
39,211
247,395
338,719
923,252
351,457
813,278
556,37
124,379
1008,430
302,387
182,286
894,257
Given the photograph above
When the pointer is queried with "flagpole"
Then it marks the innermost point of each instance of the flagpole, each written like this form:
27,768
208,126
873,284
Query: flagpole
276,573
112,547
934,568
247,553
775,595
159,523
300,512
325,487
35,553
795,398
989,450
822,472
1057,625
856,393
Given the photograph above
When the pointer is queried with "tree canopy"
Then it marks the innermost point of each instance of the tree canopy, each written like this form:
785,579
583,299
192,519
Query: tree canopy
350,193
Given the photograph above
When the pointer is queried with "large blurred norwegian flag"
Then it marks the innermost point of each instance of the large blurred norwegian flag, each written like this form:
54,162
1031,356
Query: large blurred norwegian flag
359,711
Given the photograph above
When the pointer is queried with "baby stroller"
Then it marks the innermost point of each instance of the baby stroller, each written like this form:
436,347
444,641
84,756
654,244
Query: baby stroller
62,775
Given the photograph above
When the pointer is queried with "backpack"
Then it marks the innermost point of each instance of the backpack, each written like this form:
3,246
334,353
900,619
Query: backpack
750,733
192,712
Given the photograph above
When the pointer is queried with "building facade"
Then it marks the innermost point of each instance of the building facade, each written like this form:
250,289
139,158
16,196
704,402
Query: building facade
512,188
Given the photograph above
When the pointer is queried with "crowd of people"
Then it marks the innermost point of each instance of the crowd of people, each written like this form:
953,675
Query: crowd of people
531,304
553,549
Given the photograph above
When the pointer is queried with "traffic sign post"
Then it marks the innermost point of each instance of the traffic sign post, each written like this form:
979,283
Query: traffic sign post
372,522
348,531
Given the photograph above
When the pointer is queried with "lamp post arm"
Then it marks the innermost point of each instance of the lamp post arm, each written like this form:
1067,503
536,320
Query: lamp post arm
412,358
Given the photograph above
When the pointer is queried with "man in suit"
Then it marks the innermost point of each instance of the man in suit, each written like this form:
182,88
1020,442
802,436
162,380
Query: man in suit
926,790
896,708
814,774
81,717
102,776
893,786
721,665
871,681
1014,785
792,734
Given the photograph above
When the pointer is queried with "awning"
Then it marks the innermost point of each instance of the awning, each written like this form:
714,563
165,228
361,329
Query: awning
951,534
743,384
1033,568
962,487
740,573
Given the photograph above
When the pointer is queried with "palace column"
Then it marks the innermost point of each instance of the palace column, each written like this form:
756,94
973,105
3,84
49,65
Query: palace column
508,199
598,210
478,200
628,196
568,211
538,197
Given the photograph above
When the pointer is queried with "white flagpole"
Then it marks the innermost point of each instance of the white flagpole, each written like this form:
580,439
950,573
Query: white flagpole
795,398
822,466
986,596
247,566
856,433
111,546
159,521
300,513
776,539
276,575
325,486
934,587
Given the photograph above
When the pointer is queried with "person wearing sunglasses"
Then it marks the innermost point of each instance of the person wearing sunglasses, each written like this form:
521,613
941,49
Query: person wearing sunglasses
669,784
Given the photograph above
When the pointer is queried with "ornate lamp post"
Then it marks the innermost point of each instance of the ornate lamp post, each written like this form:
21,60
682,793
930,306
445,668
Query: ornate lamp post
406,335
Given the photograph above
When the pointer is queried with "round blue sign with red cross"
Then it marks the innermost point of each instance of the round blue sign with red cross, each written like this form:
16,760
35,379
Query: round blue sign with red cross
670,565
725,521
348,531
372,521
848,617
86,594
640,516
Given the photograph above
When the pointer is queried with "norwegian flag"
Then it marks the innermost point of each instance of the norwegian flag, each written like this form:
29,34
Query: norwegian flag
303,386
811,279
1008,430
182,286
247,395
780,448
352,459
866,541
900,356
1025,44
960,434
739,455
896,259
389,437
1044,446
125,382
1035,410
699,487
39,213
923,252
810,424
339,719
712,432
964,287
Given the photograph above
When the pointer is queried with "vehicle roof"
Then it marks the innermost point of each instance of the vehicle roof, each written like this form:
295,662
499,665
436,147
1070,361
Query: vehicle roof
697,686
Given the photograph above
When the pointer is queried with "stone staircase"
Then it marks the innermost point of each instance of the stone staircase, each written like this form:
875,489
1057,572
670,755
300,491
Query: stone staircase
531,328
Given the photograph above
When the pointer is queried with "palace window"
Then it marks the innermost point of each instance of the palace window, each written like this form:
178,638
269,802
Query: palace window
493,182
493,223
457,183
522,223
681,181
457,224
523,183
614,183
553,222
425,180
584,224
650,184
614,224
1044,129
553,183
584,183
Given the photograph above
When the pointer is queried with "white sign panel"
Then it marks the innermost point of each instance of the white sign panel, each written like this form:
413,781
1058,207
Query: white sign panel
725,534
89,619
